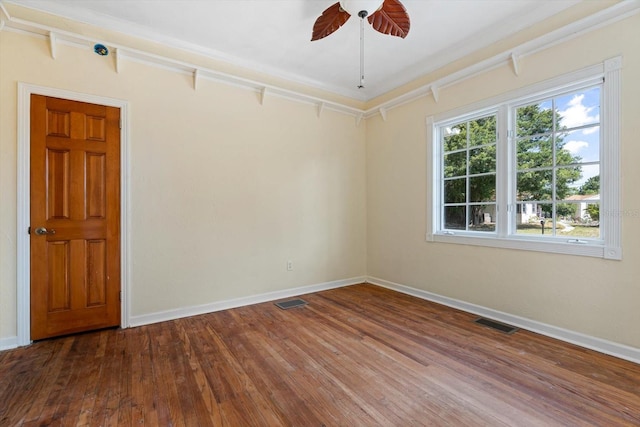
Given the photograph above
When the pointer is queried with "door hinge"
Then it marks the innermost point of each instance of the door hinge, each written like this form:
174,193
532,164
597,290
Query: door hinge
28,230
120,296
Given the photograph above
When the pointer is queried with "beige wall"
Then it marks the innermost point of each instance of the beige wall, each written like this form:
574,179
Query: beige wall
592,296
223,190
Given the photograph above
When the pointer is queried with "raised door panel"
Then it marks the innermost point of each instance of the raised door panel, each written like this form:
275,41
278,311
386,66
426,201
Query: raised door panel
58,123
58,277
96,273
95,184
96,128
58,182
75,190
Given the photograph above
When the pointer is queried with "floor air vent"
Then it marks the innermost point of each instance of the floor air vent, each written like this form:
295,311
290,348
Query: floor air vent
502,327
292,303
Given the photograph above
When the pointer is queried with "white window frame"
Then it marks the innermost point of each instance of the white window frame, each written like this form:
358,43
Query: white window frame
607,73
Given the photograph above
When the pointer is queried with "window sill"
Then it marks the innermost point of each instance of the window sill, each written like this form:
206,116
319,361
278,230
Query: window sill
592,249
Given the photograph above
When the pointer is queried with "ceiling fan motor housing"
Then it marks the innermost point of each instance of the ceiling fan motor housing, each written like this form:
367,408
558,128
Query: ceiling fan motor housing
361,8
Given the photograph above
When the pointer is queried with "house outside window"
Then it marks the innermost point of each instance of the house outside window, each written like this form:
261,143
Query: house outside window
536,169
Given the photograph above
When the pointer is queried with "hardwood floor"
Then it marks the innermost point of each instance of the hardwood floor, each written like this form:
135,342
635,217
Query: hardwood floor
355,356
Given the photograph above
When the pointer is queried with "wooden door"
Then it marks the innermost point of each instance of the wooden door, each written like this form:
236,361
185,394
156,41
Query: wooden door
75,217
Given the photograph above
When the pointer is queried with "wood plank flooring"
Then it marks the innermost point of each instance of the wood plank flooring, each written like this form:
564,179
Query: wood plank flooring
355,356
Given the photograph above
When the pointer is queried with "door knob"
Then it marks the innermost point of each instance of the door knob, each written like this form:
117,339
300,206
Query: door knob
41,231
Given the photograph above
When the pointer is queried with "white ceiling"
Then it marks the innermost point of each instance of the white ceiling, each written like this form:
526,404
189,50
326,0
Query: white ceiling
273,36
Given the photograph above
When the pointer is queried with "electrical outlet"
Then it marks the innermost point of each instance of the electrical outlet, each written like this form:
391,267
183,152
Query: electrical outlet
289,265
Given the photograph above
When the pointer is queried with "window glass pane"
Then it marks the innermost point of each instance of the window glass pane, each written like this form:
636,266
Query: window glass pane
482,218
531,219
482,188
592,213
535,185
579,109
469,174
534,119
534,218
482,160
566,212
579,146
535,152
455,190
455,137
567,151
590,181
482,131
546,213
584,222
455,164
566,179
526,212
455,217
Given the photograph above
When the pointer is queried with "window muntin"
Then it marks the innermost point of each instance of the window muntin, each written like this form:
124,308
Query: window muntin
557,146
606,206
468,182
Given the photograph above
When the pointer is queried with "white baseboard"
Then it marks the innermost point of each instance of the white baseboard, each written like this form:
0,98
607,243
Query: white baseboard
8,343
162,316
621,351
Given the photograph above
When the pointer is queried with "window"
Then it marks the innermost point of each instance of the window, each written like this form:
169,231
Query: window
536,169
469,174
557,148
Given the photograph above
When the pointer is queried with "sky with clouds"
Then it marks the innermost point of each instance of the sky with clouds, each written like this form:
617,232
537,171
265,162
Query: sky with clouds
580,110
577,110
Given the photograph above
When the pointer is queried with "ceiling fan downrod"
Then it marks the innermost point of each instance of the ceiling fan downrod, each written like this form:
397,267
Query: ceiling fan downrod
362,14
385,16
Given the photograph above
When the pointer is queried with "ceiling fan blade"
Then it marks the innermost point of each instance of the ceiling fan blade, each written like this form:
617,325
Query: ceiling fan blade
391,19
330,20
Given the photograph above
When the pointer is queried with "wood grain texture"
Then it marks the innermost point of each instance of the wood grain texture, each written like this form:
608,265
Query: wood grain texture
355,356
392,19
75,192
331,19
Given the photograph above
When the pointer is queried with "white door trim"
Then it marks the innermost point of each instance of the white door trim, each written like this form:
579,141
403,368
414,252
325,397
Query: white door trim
24,196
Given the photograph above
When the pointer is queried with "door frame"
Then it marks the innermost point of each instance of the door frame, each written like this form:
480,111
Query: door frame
23,271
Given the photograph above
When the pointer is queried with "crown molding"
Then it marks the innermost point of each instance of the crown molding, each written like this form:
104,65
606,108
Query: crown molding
468,46
512,58
134,30
415,71
123,53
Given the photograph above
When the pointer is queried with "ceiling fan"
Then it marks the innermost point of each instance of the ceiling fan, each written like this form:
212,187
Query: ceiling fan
385,16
